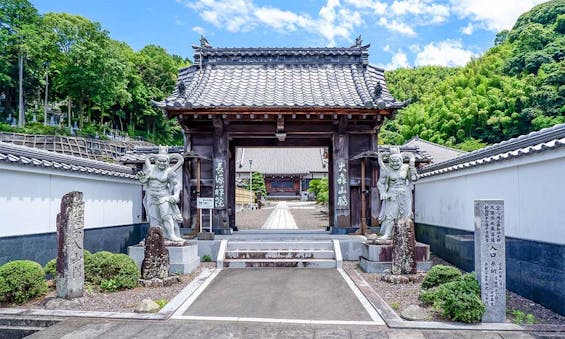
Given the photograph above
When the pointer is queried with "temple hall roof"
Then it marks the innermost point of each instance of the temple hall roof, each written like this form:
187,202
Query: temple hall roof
281,78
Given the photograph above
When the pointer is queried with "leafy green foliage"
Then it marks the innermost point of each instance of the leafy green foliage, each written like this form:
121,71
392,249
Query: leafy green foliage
519,317
320,187
514,88
51,267
258,183
109,285
111,271
458,300
440,274
206,258
21,280
110,85
161,302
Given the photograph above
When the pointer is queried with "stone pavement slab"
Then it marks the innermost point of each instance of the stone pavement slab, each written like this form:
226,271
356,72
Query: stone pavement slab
279,293
151,329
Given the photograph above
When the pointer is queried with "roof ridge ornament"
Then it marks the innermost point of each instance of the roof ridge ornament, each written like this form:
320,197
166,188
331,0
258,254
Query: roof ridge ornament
378,90
358,42
204,42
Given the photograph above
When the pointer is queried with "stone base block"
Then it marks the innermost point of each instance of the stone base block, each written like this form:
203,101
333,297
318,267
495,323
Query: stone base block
383,252
206,236
182,259
382,266
168,281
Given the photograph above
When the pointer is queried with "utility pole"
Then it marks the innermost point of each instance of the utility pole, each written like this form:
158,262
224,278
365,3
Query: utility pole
46,93
251,182
21,117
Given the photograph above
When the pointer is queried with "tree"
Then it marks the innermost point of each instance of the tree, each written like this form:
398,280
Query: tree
258,183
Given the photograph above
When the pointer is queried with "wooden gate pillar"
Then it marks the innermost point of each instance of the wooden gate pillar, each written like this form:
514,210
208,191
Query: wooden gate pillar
186,189
220,219
342,201
375,196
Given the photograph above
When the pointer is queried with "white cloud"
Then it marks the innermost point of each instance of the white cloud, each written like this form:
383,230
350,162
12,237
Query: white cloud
333,21
179,21
444,53
376,7
493,15
414,48
386,48
279,19
199,30
398,60
397,26
468,30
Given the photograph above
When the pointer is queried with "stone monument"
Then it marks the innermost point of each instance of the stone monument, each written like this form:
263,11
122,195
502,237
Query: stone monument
155,265
156,261
490,258
403,247
70,255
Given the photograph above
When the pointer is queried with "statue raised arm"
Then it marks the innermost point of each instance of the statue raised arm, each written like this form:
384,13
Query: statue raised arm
395,190
162,193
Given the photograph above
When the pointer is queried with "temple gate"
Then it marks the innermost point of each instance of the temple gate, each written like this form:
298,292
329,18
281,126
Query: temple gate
291,97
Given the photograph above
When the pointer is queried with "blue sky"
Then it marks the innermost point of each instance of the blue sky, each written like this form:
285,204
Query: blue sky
402,33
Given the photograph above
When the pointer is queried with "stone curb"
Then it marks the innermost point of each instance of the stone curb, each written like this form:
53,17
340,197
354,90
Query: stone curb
163,314
395,322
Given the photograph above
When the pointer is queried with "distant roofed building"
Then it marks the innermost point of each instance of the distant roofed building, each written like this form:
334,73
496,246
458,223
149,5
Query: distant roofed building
287,171
436,152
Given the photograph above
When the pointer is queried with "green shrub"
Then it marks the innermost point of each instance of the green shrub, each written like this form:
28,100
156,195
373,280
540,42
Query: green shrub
21,280
206,258
51,267
105,266
458,300
440,274
109,285
161,302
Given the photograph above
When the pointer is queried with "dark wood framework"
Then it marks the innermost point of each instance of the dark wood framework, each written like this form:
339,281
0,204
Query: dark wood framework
215,133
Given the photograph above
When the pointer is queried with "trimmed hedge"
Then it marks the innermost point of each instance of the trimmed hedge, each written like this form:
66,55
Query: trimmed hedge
112,271
21,280
458,300
51,267
440,274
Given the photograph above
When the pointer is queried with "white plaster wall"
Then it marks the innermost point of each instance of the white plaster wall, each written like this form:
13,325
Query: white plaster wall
531,186
30,199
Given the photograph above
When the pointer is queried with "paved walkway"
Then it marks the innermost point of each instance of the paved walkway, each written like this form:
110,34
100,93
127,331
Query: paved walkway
281,295
280,218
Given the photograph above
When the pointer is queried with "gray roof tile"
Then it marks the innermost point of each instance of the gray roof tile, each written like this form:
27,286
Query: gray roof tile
281,160
540,141
28,156
281,77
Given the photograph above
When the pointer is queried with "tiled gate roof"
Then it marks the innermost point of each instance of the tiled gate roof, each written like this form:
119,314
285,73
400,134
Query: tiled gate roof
281,78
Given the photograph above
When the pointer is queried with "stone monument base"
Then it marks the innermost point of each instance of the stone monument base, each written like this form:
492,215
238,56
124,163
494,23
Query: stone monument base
378,258
168,281
183,259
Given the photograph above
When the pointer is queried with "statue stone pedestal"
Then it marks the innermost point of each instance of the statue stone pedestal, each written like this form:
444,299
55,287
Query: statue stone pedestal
378,258
182,259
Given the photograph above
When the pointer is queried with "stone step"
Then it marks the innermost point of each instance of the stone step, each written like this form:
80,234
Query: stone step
304,263
16,332
280,245
27,321
280,254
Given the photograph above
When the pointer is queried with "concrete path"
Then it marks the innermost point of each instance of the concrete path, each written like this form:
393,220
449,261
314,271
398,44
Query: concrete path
281,295
280,218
